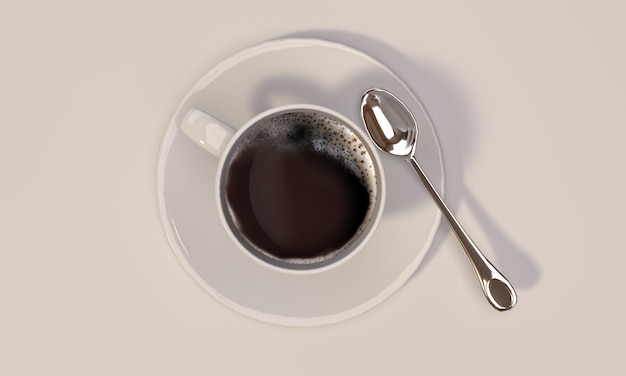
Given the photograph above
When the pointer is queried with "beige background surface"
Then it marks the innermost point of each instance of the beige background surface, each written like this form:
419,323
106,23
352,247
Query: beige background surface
528,99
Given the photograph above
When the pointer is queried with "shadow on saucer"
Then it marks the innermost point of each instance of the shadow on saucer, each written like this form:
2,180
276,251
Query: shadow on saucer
301,90
448,108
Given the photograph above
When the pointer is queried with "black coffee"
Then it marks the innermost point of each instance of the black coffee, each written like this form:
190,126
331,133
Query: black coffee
300,187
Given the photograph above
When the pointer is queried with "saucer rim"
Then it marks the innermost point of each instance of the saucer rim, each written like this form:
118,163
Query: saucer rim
177,245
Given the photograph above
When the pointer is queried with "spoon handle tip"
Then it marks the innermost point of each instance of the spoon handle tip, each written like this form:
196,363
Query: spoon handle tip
497,289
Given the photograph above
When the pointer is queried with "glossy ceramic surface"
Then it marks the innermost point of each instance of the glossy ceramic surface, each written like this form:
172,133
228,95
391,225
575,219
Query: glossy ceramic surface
279,73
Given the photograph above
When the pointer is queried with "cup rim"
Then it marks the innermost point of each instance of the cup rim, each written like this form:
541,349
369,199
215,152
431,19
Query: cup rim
361,240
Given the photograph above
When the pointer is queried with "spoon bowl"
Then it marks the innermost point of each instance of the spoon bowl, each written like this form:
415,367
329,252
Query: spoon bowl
391,124
393,129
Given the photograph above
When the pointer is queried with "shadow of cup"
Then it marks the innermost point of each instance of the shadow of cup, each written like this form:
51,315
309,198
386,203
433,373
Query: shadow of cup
448,107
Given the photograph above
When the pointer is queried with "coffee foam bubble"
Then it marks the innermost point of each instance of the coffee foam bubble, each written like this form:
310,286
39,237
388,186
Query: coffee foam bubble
316,132
312,131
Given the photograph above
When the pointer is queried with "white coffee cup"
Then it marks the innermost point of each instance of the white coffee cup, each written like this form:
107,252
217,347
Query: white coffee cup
284,236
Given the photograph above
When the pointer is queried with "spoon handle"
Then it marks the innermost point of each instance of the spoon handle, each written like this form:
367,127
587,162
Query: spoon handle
497,289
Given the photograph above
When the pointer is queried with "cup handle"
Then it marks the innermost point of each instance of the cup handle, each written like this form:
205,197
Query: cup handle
205,130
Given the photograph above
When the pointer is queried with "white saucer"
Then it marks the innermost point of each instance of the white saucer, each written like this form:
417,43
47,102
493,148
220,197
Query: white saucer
275,73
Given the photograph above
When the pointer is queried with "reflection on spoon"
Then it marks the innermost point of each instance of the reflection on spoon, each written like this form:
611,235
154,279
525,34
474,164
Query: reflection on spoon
393,129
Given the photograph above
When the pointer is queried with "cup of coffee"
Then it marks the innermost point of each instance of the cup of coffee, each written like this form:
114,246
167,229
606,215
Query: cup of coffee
299,188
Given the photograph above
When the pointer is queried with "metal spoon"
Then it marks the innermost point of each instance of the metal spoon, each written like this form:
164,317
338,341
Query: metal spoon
393,129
